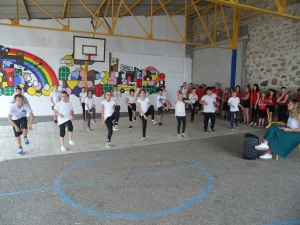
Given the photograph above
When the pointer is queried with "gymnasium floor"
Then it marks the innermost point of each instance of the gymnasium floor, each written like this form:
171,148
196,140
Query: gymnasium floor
201,179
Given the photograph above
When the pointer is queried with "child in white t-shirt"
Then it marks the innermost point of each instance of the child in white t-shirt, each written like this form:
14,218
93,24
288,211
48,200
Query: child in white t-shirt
116,95
82,97
108,115
234,103
130,102
145,109
160,103
65,114
17,118
195,103
54,98
19,91
180,113
90,109
209,102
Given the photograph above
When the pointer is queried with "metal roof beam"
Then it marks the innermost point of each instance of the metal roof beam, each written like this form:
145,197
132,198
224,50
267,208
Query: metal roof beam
131,7
158,8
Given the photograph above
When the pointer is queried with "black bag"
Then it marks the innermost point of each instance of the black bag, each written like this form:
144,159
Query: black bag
250,141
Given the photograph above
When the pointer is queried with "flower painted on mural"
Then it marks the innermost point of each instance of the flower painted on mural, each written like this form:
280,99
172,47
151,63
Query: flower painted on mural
113,62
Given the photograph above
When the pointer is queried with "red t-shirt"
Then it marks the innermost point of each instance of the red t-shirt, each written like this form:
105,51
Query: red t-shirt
247,95
298,97
239,95
254,96
226,97
284,103
262,101
189,91
217,91
270,101
198,93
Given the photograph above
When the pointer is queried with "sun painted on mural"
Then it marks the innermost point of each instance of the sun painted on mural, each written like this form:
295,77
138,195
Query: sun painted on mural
36,77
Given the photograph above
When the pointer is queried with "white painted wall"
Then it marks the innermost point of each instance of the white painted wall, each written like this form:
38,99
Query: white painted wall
211,65
51,46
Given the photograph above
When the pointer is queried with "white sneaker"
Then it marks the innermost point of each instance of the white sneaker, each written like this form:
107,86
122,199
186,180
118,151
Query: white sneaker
71,142
266,156
63,148
262,147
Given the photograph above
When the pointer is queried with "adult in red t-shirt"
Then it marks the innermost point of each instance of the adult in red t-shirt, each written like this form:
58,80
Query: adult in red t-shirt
238,91
190,89
246,104
254,102
282,101
271,100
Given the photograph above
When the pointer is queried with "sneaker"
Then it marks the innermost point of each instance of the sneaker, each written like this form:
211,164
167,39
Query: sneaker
255,124
108,144
88,129
134,118
212,130
179,136
116,127
232,128
205,131
130,127
184,135
94,120
262,147
26,141
250,124
20,151
63,148
55,121
71,142
159,124
266,156
237,126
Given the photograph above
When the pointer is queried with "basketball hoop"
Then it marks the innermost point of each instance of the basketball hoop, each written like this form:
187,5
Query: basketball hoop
89,56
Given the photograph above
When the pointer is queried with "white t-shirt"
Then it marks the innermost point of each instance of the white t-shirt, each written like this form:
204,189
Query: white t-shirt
184,92
18,113
193,97
108,108
55,96
89,102
160,97
144,104
25,100
65,109
180,108
117,97
131,99
235,102
83,97
209,108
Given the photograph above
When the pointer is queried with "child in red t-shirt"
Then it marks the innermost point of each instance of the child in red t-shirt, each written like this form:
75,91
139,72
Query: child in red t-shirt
271,100
225,107
262,106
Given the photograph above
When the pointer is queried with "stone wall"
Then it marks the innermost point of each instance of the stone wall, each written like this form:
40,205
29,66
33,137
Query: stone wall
272,56
273,49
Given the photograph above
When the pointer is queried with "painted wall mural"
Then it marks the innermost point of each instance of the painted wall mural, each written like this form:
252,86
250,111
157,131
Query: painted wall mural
21,68
36,77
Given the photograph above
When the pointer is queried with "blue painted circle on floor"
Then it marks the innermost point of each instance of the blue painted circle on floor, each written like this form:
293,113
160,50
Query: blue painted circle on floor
66,199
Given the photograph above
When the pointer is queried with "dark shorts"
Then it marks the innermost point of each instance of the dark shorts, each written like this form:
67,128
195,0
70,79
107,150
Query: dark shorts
246,104
225,107
271,108
262,113
52,107
133,105
160,110
22,124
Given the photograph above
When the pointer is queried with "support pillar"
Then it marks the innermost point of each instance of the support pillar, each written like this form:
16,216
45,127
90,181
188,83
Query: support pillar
234,46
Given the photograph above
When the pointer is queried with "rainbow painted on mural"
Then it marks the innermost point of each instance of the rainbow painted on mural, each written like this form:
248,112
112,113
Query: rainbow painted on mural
44,73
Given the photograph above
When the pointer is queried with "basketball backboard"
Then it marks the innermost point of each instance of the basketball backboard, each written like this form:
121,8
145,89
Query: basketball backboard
89,49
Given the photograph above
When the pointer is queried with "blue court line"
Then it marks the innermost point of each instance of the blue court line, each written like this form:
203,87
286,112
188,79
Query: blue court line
94,181
290,222
115,178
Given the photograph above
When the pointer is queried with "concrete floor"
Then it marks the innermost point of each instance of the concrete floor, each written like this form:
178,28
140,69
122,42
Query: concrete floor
163,180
